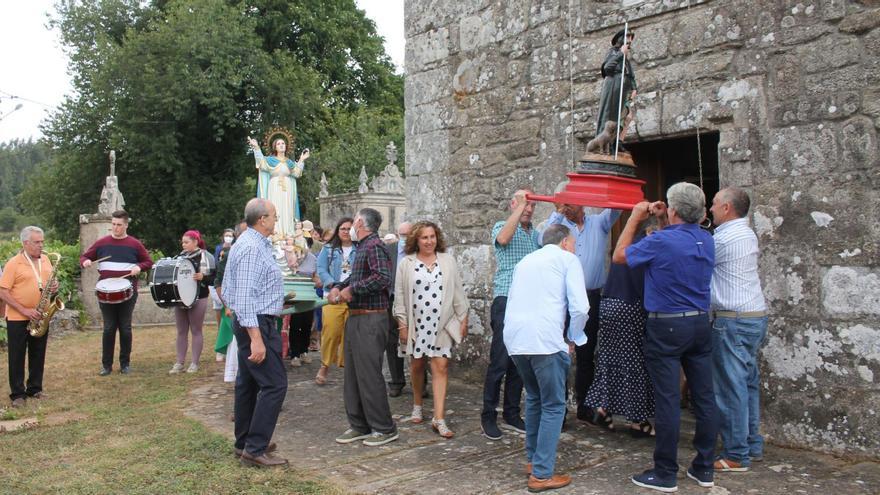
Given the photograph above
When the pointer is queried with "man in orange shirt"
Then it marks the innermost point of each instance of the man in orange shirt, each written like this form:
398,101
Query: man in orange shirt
24,278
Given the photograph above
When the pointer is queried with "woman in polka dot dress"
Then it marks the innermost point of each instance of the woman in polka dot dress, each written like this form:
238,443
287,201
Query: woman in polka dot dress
431,311
622,385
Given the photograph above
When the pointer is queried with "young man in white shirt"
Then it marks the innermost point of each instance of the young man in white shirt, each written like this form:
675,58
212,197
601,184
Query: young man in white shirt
546,283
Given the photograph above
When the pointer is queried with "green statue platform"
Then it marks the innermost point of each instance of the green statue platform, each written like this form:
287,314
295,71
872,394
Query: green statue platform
300,296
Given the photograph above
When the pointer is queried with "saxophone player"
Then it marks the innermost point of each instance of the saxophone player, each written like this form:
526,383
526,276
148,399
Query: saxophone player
24,279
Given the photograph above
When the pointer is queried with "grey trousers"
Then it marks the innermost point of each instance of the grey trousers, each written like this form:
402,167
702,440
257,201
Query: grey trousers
366,400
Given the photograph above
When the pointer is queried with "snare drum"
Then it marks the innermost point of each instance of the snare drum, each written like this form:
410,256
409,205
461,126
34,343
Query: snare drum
172,283
114,290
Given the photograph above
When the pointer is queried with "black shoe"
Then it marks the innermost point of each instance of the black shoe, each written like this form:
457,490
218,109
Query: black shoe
125,370
394,390
706,479
516,424
104,372
650,480
585,413
490,430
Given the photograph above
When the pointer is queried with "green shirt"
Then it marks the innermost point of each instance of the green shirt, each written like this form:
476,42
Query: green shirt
522,243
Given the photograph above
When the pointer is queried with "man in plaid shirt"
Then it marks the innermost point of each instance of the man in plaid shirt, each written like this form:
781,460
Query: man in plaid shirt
366,335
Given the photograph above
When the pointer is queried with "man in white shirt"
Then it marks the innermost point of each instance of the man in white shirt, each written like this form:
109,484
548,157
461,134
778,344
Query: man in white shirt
545,284
738,331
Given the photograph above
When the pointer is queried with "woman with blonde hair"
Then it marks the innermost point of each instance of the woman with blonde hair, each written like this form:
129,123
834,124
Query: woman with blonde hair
431,310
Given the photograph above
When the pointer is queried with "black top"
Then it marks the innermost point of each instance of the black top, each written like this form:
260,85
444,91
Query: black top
625,283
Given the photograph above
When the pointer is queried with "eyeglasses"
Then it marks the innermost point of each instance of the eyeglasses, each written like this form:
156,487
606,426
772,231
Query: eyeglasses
275,216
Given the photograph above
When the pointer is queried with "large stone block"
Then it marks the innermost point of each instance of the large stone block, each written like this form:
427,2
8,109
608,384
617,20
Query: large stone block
651,42
426,15
851,291
425,49
804,108
685,108
426,153
587,57
803,150
860,22
858,140
478,31
428,86
829,52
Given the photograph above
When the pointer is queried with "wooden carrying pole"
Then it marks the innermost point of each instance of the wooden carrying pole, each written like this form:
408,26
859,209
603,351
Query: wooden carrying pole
622,84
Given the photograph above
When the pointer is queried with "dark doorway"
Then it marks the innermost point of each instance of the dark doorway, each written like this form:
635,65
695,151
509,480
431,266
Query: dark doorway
663,162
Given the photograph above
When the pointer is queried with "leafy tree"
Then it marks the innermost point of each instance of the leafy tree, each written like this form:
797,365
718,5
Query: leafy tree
175,87
19,161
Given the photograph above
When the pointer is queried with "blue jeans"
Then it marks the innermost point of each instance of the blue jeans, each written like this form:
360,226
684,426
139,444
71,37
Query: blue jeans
543,376
735,345
671,344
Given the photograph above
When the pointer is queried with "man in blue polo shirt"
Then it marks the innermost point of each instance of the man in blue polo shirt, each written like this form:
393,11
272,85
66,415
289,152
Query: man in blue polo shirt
678,263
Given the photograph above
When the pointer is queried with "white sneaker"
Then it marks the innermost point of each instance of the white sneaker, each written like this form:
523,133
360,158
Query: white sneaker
296,362
193,367
177,368
306,359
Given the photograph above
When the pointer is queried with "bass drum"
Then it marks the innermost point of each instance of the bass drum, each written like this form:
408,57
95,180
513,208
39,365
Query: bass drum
172,283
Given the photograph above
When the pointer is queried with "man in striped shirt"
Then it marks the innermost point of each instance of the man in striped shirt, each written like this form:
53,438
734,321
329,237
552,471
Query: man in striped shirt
738,331
253,288
122,256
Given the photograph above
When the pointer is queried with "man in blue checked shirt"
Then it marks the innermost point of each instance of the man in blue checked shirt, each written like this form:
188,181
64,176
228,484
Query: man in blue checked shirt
591,235
253,288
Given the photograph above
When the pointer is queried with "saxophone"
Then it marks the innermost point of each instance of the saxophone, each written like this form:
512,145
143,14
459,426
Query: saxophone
49,302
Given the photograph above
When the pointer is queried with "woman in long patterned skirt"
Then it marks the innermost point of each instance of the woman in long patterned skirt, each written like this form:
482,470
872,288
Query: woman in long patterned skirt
622,385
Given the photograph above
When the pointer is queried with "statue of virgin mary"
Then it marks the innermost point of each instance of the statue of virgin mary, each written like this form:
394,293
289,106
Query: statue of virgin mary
276,179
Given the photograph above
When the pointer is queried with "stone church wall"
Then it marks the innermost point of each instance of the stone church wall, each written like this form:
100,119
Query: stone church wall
500,94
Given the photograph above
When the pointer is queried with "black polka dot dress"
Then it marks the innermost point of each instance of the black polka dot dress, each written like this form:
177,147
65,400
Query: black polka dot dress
622,385
426,297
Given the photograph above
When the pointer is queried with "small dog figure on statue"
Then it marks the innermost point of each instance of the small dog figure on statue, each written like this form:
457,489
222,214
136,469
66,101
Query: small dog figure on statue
604,143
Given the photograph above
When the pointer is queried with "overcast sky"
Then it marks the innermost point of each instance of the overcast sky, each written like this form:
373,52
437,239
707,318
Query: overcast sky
35,68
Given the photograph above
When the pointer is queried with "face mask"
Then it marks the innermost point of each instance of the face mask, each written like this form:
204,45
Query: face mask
353,233
228,239
401,244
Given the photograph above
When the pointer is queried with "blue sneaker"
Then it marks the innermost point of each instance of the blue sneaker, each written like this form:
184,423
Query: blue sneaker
703,478
649,480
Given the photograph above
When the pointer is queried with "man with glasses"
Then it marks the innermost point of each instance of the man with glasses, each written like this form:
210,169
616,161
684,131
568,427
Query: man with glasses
253,288
21,286
121,255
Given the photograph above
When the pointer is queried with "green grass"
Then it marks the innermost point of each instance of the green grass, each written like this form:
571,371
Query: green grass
134,437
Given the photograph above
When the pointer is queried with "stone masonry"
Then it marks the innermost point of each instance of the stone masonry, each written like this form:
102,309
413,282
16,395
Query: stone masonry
500,94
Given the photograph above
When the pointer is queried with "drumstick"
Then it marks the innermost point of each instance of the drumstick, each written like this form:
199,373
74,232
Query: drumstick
105,258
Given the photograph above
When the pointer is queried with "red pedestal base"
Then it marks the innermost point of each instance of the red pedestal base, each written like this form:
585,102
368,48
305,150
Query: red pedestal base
600,191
